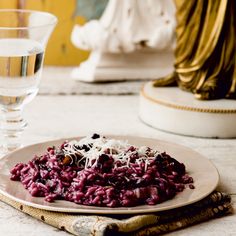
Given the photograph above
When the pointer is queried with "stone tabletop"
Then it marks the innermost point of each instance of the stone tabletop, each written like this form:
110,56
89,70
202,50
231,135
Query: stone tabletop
57,114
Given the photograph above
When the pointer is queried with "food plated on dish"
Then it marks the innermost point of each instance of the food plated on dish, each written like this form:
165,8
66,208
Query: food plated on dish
104,172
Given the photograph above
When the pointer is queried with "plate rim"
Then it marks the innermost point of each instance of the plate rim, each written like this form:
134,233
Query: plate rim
127,210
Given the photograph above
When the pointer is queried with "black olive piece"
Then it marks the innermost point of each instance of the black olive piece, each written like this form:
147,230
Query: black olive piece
159,158
103,158
77,147
95,136
36,161
86,148
177,166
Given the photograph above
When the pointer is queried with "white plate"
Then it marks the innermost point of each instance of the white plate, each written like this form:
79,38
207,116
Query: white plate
204,173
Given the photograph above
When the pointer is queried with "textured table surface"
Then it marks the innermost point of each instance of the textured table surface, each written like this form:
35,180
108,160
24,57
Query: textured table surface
54,114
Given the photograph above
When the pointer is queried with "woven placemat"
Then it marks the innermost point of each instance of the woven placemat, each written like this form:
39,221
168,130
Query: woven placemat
215,205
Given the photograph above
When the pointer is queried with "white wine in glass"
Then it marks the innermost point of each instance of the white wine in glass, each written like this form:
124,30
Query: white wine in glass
23,38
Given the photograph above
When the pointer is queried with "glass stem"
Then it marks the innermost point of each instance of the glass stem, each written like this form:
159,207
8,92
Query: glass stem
11,126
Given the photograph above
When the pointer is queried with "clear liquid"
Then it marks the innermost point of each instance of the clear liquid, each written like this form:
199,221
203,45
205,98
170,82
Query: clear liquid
20,71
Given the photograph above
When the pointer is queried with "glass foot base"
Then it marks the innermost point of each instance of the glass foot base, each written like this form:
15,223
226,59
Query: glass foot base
11,127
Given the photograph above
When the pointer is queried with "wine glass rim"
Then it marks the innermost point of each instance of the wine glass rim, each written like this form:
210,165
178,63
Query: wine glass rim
53,17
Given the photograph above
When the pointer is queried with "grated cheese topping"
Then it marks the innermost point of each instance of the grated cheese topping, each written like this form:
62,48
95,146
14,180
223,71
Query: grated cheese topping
90,149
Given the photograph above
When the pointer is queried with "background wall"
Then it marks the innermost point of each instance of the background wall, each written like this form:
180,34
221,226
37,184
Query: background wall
60,50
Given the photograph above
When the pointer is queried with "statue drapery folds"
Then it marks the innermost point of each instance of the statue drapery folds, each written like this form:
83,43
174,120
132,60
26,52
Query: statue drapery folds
205,54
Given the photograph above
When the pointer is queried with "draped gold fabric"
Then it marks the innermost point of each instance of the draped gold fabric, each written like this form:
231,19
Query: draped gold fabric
205,54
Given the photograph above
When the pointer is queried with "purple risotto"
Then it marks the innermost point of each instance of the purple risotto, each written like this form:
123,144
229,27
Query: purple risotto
98,171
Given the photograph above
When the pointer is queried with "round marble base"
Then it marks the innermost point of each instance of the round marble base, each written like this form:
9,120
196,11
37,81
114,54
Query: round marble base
173,110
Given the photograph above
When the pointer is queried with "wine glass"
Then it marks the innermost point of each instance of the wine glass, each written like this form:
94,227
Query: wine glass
23,37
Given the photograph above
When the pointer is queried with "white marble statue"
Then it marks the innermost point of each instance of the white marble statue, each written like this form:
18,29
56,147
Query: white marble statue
129,34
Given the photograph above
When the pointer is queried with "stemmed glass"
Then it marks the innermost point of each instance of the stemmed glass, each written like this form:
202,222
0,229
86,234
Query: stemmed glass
23,37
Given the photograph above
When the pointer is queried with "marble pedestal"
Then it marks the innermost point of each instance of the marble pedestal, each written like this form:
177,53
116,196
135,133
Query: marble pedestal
143,64
173,110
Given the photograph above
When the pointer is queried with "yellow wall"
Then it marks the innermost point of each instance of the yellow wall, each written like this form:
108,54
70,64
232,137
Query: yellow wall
8,3
60,50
